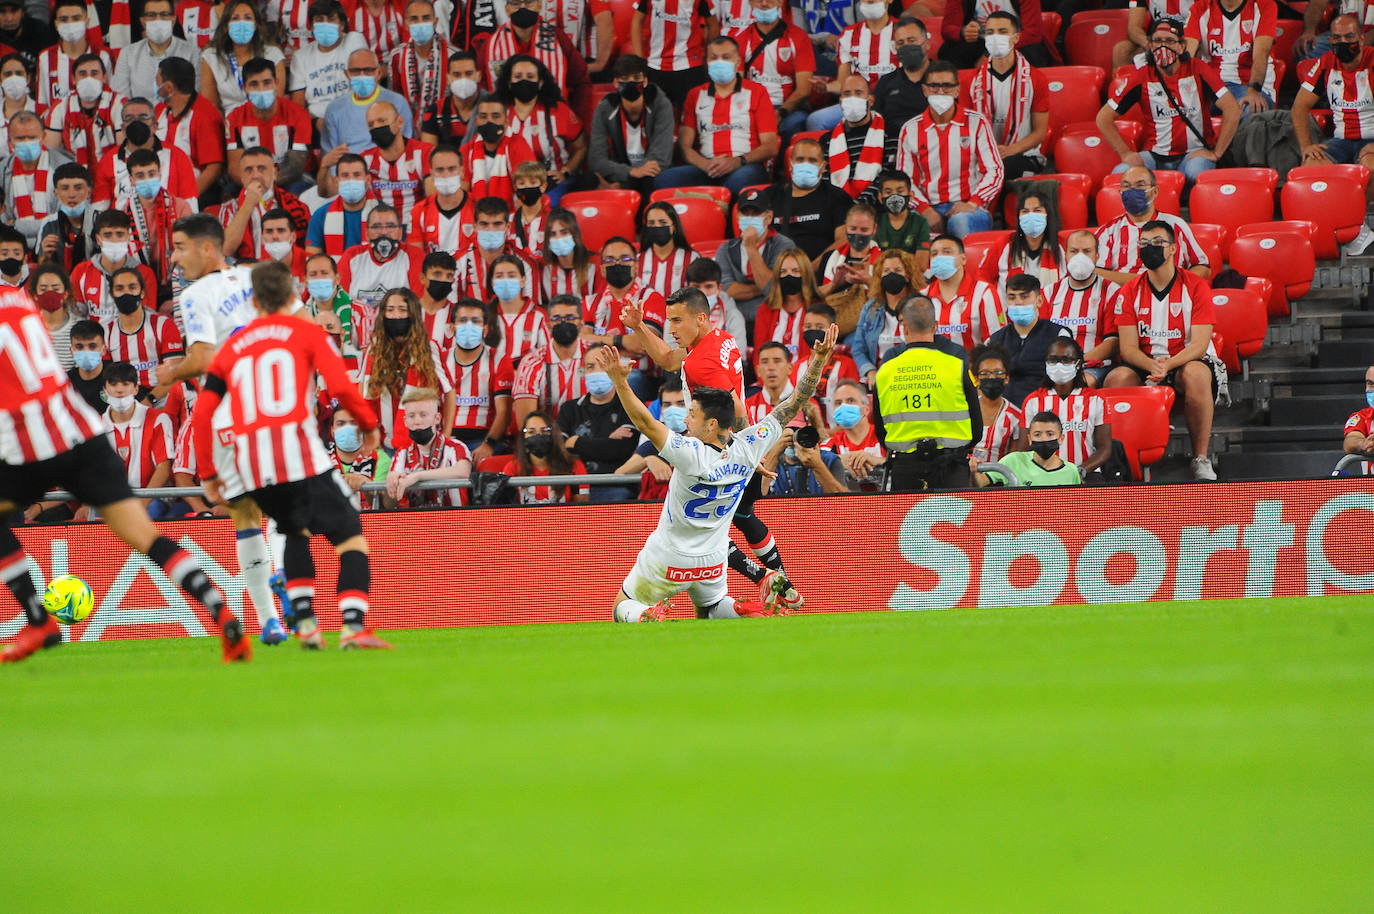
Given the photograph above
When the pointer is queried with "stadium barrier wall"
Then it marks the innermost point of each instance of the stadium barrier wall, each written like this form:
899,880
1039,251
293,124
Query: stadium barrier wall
1020,547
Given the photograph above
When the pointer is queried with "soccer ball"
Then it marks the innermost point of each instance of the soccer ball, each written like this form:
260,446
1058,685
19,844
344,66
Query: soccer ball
69,599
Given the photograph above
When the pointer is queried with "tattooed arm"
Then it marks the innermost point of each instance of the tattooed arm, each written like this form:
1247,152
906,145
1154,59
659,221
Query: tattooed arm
806,385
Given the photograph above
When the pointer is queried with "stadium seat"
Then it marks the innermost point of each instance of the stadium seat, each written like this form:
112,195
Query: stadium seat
1210,238
805,135
1267,177
1073,200
979,248
603,214
622,13
933,25
1283,257
708,248
702,219
1081,150
1071,101
1139,417
609,196
1300,227
493,464
1231,204
1335,203
1050,25
713,191
1286,32
1243,322
1089,42
1108,202
1354,171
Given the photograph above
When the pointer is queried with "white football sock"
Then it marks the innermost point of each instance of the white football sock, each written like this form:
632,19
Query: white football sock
628,610
256,568
725,609
276,541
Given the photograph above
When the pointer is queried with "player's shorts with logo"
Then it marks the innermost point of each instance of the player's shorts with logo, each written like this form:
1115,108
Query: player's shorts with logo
321,504
91,471
661,572
226,465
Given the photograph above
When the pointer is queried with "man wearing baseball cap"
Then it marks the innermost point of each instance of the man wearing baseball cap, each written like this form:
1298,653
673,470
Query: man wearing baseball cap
747,260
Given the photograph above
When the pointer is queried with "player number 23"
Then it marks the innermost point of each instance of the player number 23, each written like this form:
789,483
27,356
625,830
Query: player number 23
717,500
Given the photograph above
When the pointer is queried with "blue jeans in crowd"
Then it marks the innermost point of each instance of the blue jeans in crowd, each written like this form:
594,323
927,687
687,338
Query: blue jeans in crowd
1344,152
790,124
825,118
961,224
1190,165
1238,92
691,176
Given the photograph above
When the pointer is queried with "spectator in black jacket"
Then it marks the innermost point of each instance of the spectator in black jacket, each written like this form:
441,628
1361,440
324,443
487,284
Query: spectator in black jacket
1026,337
597,429
636,117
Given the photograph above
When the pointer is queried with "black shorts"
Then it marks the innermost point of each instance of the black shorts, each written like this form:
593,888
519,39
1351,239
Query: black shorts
1172,378
91,471
318,504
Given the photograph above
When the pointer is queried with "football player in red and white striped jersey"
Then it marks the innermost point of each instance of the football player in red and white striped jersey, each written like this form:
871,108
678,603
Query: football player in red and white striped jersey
139,336
1086,441
1084,302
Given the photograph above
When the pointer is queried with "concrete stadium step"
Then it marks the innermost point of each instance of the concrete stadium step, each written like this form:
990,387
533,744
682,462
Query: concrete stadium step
1346,325
1345,353
1302,382
1278,464
1269,439
1330,409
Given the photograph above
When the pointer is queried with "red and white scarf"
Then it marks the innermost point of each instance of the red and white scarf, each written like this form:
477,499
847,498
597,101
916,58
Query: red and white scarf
29,188
854,178
424,83
334,225
88,135
120,35
153,235
1019,115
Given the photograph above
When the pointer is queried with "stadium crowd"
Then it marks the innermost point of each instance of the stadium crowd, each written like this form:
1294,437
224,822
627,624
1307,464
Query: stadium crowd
470,195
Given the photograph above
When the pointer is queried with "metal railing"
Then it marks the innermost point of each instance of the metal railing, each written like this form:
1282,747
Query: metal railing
599,479
1348,460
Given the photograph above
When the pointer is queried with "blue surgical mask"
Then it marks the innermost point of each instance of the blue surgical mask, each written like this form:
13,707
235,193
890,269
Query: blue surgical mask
943,266
148,188
721,71
326,33
506,289
562,246
675,417
598,383
768,17
1033,224
352,190
346,438
241,31
262,100
806,174
320,289
86,359
1021,315
74,212
28,150
467,336
363,86
751,222
1369,398
421,32
491,239
1133,200
847,415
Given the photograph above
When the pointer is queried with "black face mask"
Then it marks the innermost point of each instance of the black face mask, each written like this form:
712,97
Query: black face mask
658,234
528,195
790,285
384,247
524,90
396,327
421,436
383,136
128,304
619,275
491,132
1045,449
438,290
992,387
1152,256
565,333
813,338
630,92
540,445
11,266
911,57
524,18
893,283
1346,51
138,132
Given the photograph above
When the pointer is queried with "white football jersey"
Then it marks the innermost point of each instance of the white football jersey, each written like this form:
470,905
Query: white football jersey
216,305
706,487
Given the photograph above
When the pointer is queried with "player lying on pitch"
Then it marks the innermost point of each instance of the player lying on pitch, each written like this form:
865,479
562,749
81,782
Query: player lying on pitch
711,470
265,376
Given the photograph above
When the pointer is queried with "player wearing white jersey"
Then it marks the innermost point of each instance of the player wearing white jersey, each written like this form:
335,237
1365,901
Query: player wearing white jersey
217,303
711,468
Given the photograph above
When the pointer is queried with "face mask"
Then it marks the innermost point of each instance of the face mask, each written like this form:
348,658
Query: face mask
383,247
893,283
491,239
1165,57
11,266
86,359
347,438
383,136
352,190
491,132
75,211
462,87
1033,224
396,327
421,32
138,132
813,338
598,383
872,10
658,234
911,56
447,185
120,404
854,109
320,289
241,31
467,336
992,388
1060,373
940,104
88,88
148,188
506,288
790,285
524,18
1081,266
438,289
630,91
619,275
1021,315
524,90
278,250
28,150
539,445
562,246
847,415
1369,398
1134,201
71,31
1344,52
326,33
858,241
1045,449
421,436
48,301
263,100
529,195
675,417
14,87
114,250
564,333
806,175
128,303
767,17
895,203
363,86
1152,257
721,71
997,45
751,222
943,266
158,31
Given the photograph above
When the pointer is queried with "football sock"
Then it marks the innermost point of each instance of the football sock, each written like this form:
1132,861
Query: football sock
276,544
745,565
181,568
14,568
355,578
767,552
256,569
299,567
628,610
760,539
725,609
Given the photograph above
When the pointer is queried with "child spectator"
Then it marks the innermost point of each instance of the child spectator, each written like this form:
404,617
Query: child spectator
430,455
141,436
88,361
345,441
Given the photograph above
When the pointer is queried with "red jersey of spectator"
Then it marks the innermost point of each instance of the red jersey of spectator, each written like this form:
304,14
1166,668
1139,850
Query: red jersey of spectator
87,132
493,174
972,315
1195,86
1165,319
91,287
114,187
675,31
143,442
729,125
198,21
548,131
1000,434
776,66
839,444
1087,312
1362,423
443,452
780,326
869,54
547,44
389,411
287,128
402,182
1228,39
197,131
155,341
602,310
1348,93
383,31
435,230
1081,411
549,381
56,72
522,331
1010,103
470,280
1118,244
714,361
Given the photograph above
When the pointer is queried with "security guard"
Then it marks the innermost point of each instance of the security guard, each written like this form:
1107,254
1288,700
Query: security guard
928,415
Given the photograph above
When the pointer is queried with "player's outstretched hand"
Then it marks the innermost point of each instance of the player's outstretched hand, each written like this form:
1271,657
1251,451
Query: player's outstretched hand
822,350
632,316
607,359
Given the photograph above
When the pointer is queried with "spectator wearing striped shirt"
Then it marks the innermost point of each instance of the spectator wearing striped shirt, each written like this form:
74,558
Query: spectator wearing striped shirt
51,288
1003,420
1119,240
1083,301
1086,441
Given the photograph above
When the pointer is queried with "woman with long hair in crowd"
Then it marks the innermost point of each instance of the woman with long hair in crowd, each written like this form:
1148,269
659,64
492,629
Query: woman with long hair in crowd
566,264
537,112
1002,419
783,311
402,355
539,451
1034,243
896,277
1087,438
664,251
241,35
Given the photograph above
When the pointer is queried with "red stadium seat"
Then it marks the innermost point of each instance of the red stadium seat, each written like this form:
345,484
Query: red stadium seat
1301,227
1084,151
1260,287
1070,99
708,248
493,464
979,248
1285,258
933,25
702,219
609,196
1139,417
1354,171
1168,200
1267,177
1243,322
603,214
1089,42
1335,203
1286,33
816,135
1231,204
1073,200
1210,238
622,12
712,191
1050,24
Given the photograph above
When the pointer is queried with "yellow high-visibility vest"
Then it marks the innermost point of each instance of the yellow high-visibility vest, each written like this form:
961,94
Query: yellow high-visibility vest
921,395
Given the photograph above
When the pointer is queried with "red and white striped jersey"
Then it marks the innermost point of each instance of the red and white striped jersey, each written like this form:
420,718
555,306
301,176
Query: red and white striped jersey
1196,87
544,45
1229,40
287,129
548,495
602,311
383,31
91,287
439,325
735,17
1010,102
402,182
493,175
56,78
470,280
843,255
839,444
758,405
714,361
528,234
142,442
391,417
1118,244
549,380
1045,265
87,134
522,331
1176,10
433,230
1348,93
1000,434
729,125
443,452
675,33
155,341
1081,412
971,315
476,386
779,326
1087,311
548,131
777,65
1165,320
954,162
266,372
667,274
198,21
869,54
41,414
422,80
554,280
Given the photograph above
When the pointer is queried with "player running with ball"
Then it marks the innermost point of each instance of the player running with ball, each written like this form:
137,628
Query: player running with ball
711,470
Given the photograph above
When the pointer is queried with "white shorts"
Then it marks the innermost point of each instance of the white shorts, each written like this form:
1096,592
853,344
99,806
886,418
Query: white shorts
661,573
226,464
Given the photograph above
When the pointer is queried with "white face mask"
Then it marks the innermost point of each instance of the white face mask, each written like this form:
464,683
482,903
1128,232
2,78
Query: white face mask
1081,266
872,10
15,87
120,404
448,185
1060,373
854,109
88,88
71,31
277,249
940,104
463,87
997,45
158,31
114,250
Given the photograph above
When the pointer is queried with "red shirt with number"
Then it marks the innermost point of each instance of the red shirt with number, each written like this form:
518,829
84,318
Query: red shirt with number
714,361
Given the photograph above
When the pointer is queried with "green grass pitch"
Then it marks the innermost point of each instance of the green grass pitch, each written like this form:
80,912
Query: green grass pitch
1214,756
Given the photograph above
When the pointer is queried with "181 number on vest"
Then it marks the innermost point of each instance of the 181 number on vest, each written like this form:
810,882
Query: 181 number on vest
917,401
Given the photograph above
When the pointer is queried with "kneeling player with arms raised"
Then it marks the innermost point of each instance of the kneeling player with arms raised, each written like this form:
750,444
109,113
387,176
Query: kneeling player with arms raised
711,469
266,374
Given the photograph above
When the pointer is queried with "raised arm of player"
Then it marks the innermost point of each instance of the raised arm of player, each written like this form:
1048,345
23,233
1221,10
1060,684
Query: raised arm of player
807,383
607,359
655,347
